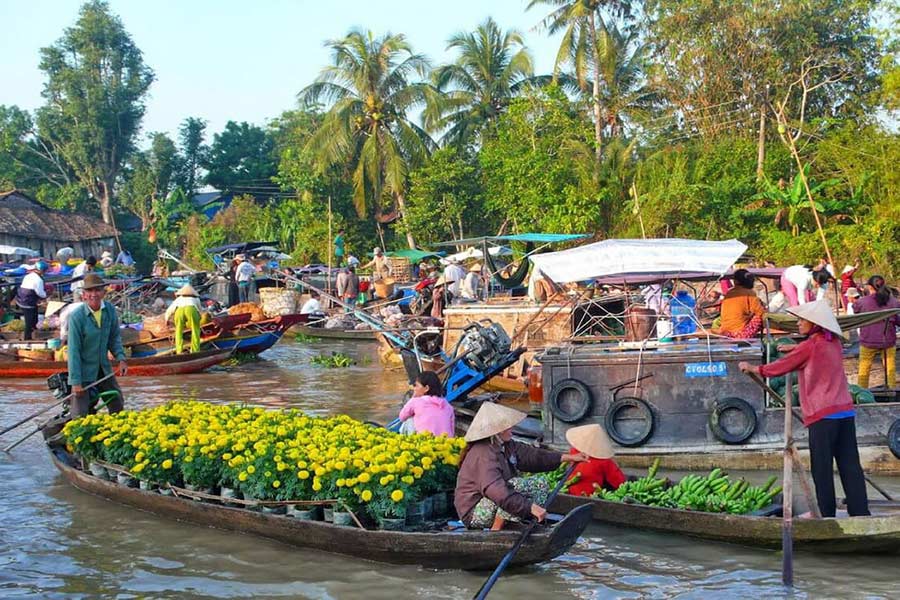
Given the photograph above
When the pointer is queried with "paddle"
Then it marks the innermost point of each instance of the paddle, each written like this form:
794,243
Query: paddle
486,587
759,380
52,406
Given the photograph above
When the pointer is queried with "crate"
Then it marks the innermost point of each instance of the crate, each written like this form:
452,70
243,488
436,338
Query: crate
401,269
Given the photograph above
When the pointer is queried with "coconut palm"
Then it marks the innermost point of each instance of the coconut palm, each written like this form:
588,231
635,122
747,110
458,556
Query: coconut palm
579,20
370,91
626,95
491,67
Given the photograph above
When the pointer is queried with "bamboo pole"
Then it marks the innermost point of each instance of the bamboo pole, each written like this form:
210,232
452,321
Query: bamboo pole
787,529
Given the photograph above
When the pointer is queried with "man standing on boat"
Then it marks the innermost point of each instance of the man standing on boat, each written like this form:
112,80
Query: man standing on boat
93,335
31,292
185,310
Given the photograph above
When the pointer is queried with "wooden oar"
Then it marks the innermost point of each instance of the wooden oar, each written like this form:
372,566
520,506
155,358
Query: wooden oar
799,417
486,587
54,405
787,522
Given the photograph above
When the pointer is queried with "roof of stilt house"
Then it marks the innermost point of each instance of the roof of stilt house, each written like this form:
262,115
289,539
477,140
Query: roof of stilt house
23,216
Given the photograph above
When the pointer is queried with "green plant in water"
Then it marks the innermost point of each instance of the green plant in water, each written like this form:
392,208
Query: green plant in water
334,360
306,339
240,358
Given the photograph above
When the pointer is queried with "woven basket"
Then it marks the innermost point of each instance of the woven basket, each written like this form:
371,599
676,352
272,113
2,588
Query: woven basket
279,301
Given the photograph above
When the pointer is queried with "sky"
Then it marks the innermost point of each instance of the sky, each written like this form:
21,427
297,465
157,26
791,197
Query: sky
244,60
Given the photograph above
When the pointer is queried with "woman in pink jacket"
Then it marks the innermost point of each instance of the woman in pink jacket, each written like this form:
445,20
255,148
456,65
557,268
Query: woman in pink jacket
826,404
428,409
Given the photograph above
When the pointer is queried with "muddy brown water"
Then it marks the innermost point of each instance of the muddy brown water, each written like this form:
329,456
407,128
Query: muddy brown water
58,542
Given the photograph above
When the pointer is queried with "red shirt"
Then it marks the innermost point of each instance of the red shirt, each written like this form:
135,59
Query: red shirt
596,470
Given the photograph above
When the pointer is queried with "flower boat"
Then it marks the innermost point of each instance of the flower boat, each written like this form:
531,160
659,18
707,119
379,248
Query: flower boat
153,366
294,460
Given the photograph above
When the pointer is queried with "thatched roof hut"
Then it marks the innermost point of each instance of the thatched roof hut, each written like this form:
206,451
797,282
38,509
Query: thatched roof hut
26,222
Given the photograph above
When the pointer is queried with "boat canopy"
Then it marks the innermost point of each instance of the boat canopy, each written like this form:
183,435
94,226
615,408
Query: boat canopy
413,256
473,252
535,238
240,248
662,257
18,251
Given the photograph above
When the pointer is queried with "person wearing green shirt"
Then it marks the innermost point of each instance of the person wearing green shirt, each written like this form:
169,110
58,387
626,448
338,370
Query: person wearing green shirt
93,335
339,248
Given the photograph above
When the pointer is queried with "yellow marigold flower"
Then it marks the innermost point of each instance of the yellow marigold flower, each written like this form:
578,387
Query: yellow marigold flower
397,495
167,464
407,479
251,469
317,487
366,495
276,484
242,476
303,474
364,478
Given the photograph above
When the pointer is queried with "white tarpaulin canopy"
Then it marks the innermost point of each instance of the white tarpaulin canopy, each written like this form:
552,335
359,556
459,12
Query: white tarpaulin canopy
668,256
4,249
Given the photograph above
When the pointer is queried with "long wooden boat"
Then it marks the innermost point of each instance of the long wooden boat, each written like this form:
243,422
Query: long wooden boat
877,534
471,550
154,366
362,335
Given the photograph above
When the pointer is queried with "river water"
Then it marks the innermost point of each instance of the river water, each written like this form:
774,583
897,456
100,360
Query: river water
58,542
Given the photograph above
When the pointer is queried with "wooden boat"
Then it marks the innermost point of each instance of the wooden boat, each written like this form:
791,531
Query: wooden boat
472,550
362,335
154,366
879,533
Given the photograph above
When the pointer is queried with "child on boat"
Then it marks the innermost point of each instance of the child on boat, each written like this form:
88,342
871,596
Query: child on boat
428,410
599,469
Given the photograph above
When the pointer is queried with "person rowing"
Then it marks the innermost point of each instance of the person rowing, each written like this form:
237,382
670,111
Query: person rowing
489,487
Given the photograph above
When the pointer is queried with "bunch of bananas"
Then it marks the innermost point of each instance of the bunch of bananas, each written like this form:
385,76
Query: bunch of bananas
715,492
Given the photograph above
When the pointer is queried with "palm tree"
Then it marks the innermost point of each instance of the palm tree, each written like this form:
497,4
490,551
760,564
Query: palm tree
622,65
578,19
367,127
491,67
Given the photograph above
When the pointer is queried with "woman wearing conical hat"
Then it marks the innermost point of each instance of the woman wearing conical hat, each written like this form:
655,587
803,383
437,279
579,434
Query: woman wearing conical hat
826,404
600,470
488,484
186,312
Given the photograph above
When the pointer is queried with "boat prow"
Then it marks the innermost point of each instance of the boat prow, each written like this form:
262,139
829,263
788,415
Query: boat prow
466,549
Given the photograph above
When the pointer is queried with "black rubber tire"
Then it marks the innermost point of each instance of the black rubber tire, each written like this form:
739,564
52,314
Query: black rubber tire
732,437
582,401
642,435
894,438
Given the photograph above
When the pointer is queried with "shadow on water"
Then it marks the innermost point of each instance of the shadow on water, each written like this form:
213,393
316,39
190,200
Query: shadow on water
58,542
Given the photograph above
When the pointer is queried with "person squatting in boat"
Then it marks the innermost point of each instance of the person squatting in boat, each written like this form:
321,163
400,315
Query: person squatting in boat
489,489
428,410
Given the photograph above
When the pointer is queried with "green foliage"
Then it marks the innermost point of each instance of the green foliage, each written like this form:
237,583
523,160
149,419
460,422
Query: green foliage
96,86
241,156
528,175
445,199
335,360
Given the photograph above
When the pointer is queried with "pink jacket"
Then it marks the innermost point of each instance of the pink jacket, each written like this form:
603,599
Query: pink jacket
823,385
430,413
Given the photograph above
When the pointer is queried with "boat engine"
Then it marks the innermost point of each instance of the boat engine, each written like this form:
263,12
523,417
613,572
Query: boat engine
483,346
58,383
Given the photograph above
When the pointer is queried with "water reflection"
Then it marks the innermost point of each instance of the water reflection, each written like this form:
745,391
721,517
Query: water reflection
58,542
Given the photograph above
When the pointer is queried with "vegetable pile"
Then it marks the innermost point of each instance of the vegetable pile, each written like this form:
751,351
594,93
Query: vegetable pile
271,455
715,492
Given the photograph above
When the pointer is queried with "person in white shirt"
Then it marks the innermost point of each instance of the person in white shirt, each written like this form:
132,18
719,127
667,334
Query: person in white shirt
244,277
186,311
31,292
454,275
78,273
797,285
106,259
471,285
312,307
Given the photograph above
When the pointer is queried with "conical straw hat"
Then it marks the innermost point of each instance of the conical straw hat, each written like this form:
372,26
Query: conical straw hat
53,307
592,440
491,419
187,290
818,312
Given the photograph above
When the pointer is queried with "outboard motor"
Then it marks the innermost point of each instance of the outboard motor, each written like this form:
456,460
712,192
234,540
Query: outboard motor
58,383
484,346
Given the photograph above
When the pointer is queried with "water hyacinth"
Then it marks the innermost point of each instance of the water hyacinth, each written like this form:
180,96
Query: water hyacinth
271,455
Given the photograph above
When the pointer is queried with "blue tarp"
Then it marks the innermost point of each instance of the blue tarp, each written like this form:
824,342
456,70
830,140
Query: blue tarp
537,238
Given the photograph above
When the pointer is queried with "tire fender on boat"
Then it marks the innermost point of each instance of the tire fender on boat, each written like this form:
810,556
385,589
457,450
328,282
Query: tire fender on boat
570,400
638,436
894,438
721,431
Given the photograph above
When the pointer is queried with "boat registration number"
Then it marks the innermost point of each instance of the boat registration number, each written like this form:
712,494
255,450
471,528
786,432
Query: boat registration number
706,369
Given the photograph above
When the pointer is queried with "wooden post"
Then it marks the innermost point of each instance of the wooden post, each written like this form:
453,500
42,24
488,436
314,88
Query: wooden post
787,530
330,249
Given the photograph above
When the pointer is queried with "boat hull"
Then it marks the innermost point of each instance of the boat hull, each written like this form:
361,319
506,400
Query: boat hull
877,534
362,335
470,550
154,366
